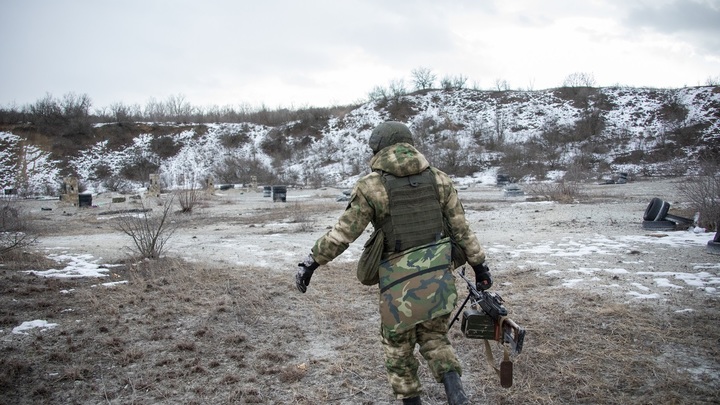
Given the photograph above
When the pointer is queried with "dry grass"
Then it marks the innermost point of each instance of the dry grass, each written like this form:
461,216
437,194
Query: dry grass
183,333
584,347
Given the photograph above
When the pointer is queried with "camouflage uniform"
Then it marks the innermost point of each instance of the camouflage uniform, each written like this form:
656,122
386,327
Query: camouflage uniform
369,203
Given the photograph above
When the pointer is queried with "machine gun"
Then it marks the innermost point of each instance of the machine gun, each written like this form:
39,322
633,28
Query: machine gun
487,319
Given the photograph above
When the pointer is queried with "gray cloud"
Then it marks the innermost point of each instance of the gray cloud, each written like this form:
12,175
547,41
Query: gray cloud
318,51
697,20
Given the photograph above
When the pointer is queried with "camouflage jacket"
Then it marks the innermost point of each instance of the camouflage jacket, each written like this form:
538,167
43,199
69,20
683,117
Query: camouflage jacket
369,204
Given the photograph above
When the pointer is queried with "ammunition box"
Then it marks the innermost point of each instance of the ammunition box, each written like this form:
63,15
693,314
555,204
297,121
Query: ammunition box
479,325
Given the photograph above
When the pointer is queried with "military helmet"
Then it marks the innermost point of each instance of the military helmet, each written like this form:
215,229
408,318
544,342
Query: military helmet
389,133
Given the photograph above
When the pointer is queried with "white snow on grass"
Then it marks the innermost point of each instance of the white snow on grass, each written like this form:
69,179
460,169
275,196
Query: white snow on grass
584,250
38,323
112,284
640,296
603,245
75,266
671,239
640,287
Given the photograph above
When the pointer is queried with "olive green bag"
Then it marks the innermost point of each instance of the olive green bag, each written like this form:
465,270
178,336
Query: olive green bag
369,263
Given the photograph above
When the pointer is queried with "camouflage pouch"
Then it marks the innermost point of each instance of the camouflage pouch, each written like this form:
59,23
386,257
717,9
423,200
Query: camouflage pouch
416,285
369,263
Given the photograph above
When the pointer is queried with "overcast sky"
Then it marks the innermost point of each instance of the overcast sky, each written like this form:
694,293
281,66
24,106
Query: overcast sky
284,53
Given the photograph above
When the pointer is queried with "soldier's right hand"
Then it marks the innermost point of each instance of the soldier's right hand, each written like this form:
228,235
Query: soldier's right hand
306,268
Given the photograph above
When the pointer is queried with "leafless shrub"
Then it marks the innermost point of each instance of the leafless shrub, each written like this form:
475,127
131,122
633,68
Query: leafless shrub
397,88
75,373
186,345
453,82
563,191
116,184
291,374
139,169
188,198
576,172
165,146
522,161
15,229
13,367
234,169
502,85
379,93
235,139
703,192
301,215
149,233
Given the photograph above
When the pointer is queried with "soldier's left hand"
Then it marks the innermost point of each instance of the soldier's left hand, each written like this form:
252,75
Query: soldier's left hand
483,280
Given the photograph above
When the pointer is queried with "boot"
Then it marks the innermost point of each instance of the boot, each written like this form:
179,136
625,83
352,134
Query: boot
412,401
453,389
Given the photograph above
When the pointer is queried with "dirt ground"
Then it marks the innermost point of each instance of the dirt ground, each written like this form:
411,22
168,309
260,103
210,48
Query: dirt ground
614,313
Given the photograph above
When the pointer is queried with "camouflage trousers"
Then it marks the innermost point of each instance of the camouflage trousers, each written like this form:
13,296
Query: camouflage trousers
401,363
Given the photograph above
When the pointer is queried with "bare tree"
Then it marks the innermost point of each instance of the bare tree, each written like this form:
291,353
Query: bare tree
397,88
531,85
121,112
236,169
149,233
453,82
500,125
712,81
155,110
423,78
579,79
76,114
46,111
502,85
76,105
178,107
553,141
446,83
69,116
15,230
459,81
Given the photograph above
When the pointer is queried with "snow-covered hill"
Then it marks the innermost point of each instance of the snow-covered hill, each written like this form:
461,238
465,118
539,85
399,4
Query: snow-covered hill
642,131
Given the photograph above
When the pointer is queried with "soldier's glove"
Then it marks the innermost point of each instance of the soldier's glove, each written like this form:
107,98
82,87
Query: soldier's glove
304,273
483,281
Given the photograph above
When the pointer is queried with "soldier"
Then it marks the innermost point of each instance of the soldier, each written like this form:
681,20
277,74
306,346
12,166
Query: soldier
426,235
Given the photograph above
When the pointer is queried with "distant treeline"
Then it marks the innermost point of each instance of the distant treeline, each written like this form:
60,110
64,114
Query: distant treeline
75,113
